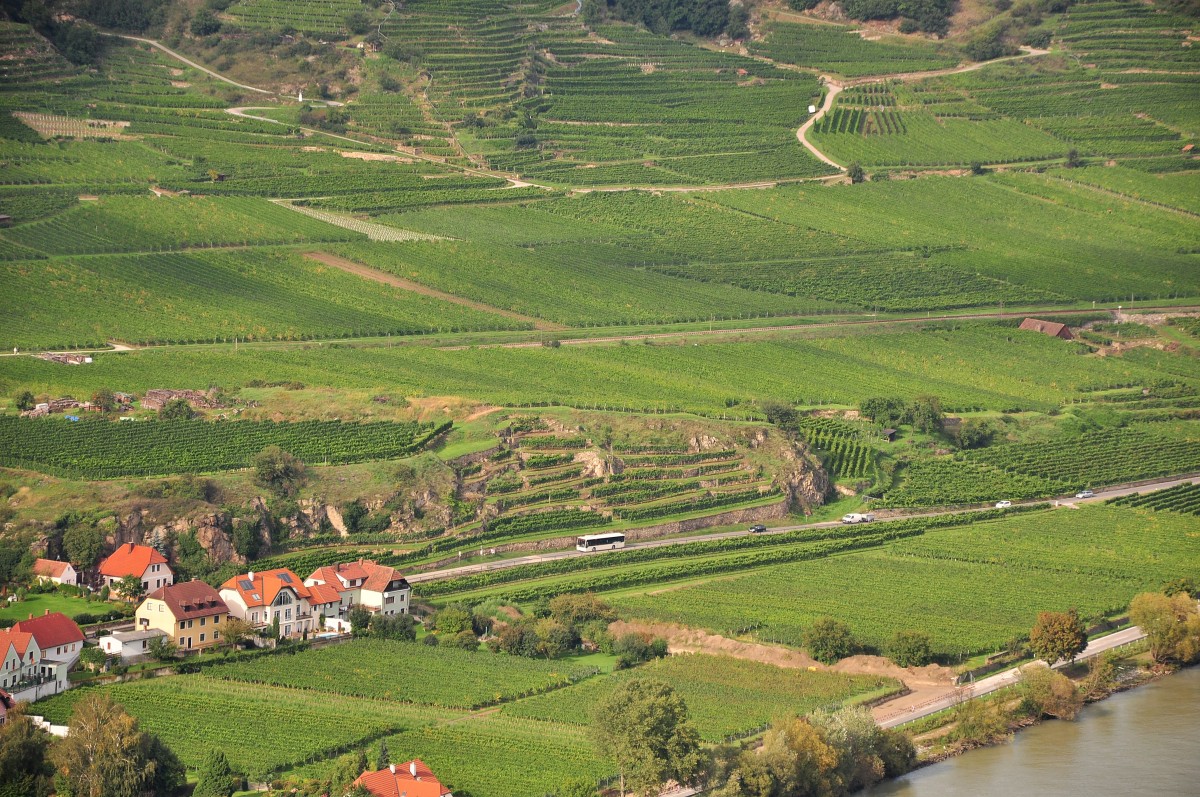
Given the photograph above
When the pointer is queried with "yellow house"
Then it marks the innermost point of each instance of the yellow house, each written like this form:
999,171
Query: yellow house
191,614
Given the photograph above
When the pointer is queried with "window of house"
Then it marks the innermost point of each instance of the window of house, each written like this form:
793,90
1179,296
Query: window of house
390,599
216,635
202,637
216,620
202,619
182,625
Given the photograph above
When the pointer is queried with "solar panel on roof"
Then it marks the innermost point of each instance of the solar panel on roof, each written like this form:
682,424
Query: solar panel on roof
285,578
245,584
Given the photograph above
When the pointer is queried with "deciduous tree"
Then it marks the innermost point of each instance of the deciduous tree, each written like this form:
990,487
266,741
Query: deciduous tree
1050,693
24,769
828,640
1057,635
278,471
642,726
910,649
1172,625
105,754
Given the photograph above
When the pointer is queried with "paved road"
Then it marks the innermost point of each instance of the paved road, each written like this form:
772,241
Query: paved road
504,564
1007,678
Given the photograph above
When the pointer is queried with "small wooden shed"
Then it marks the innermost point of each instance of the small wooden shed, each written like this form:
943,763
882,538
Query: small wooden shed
1051,328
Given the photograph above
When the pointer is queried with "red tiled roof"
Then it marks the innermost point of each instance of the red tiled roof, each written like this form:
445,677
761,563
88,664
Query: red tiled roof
380,576
264,587
1045,327
18,639
375,577
190,600
320,594
50,568
51,630
131,560
400,782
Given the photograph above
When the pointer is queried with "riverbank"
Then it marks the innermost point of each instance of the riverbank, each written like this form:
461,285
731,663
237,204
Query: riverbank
1137,741
996,719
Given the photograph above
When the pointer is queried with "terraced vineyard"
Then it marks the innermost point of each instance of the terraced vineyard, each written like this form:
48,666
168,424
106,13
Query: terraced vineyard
103,449
313,16
726,697
844,51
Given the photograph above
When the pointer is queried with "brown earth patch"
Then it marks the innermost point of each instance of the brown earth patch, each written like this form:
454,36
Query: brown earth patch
366,272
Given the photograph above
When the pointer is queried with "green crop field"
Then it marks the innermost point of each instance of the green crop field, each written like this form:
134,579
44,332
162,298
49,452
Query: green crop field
252,724
845,52
192,297
726,697
408,673
1025,371
95,448
971,589
1183,498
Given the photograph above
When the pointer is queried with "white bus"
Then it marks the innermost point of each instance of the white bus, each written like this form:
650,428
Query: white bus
601,542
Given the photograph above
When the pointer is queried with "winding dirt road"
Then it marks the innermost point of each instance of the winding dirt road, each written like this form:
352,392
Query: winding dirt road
837,86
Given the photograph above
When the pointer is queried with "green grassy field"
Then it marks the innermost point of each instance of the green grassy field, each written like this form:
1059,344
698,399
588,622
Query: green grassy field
39,604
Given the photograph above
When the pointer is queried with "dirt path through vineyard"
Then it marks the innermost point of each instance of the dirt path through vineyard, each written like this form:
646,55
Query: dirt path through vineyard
366,272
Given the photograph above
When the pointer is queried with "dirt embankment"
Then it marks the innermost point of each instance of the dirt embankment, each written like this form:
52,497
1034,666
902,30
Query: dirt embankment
924,683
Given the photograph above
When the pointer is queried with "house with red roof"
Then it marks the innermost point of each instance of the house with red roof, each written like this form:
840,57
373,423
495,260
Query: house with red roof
410,779
261,598
60,641
20,657
1051,328
377,588
136,560
55,572
191,614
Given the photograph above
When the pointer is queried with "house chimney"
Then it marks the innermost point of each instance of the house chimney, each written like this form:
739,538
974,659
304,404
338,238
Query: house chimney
130,544
392,767
412,767
251,575
47,614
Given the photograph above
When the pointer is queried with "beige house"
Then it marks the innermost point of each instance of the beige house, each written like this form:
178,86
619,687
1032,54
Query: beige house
191,614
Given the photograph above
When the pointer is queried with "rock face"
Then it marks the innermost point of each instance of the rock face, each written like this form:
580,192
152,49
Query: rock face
594,465
804,480
213,531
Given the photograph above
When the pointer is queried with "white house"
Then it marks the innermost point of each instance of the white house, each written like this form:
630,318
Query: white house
60,641
377,588
56,572
261,598
141,561
20,658
130,646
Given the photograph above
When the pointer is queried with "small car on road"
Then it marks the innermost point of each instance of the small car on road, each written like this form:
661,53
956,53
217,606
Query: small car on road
1003,504
757,528
1085,494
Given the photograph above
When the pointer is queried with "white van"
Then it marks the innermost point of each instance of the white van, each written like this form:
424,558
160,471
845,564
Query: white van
855,517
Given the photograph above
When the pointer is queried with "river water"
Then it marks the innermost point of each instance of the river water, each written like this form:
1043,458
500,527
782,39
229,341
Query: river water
1142,742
